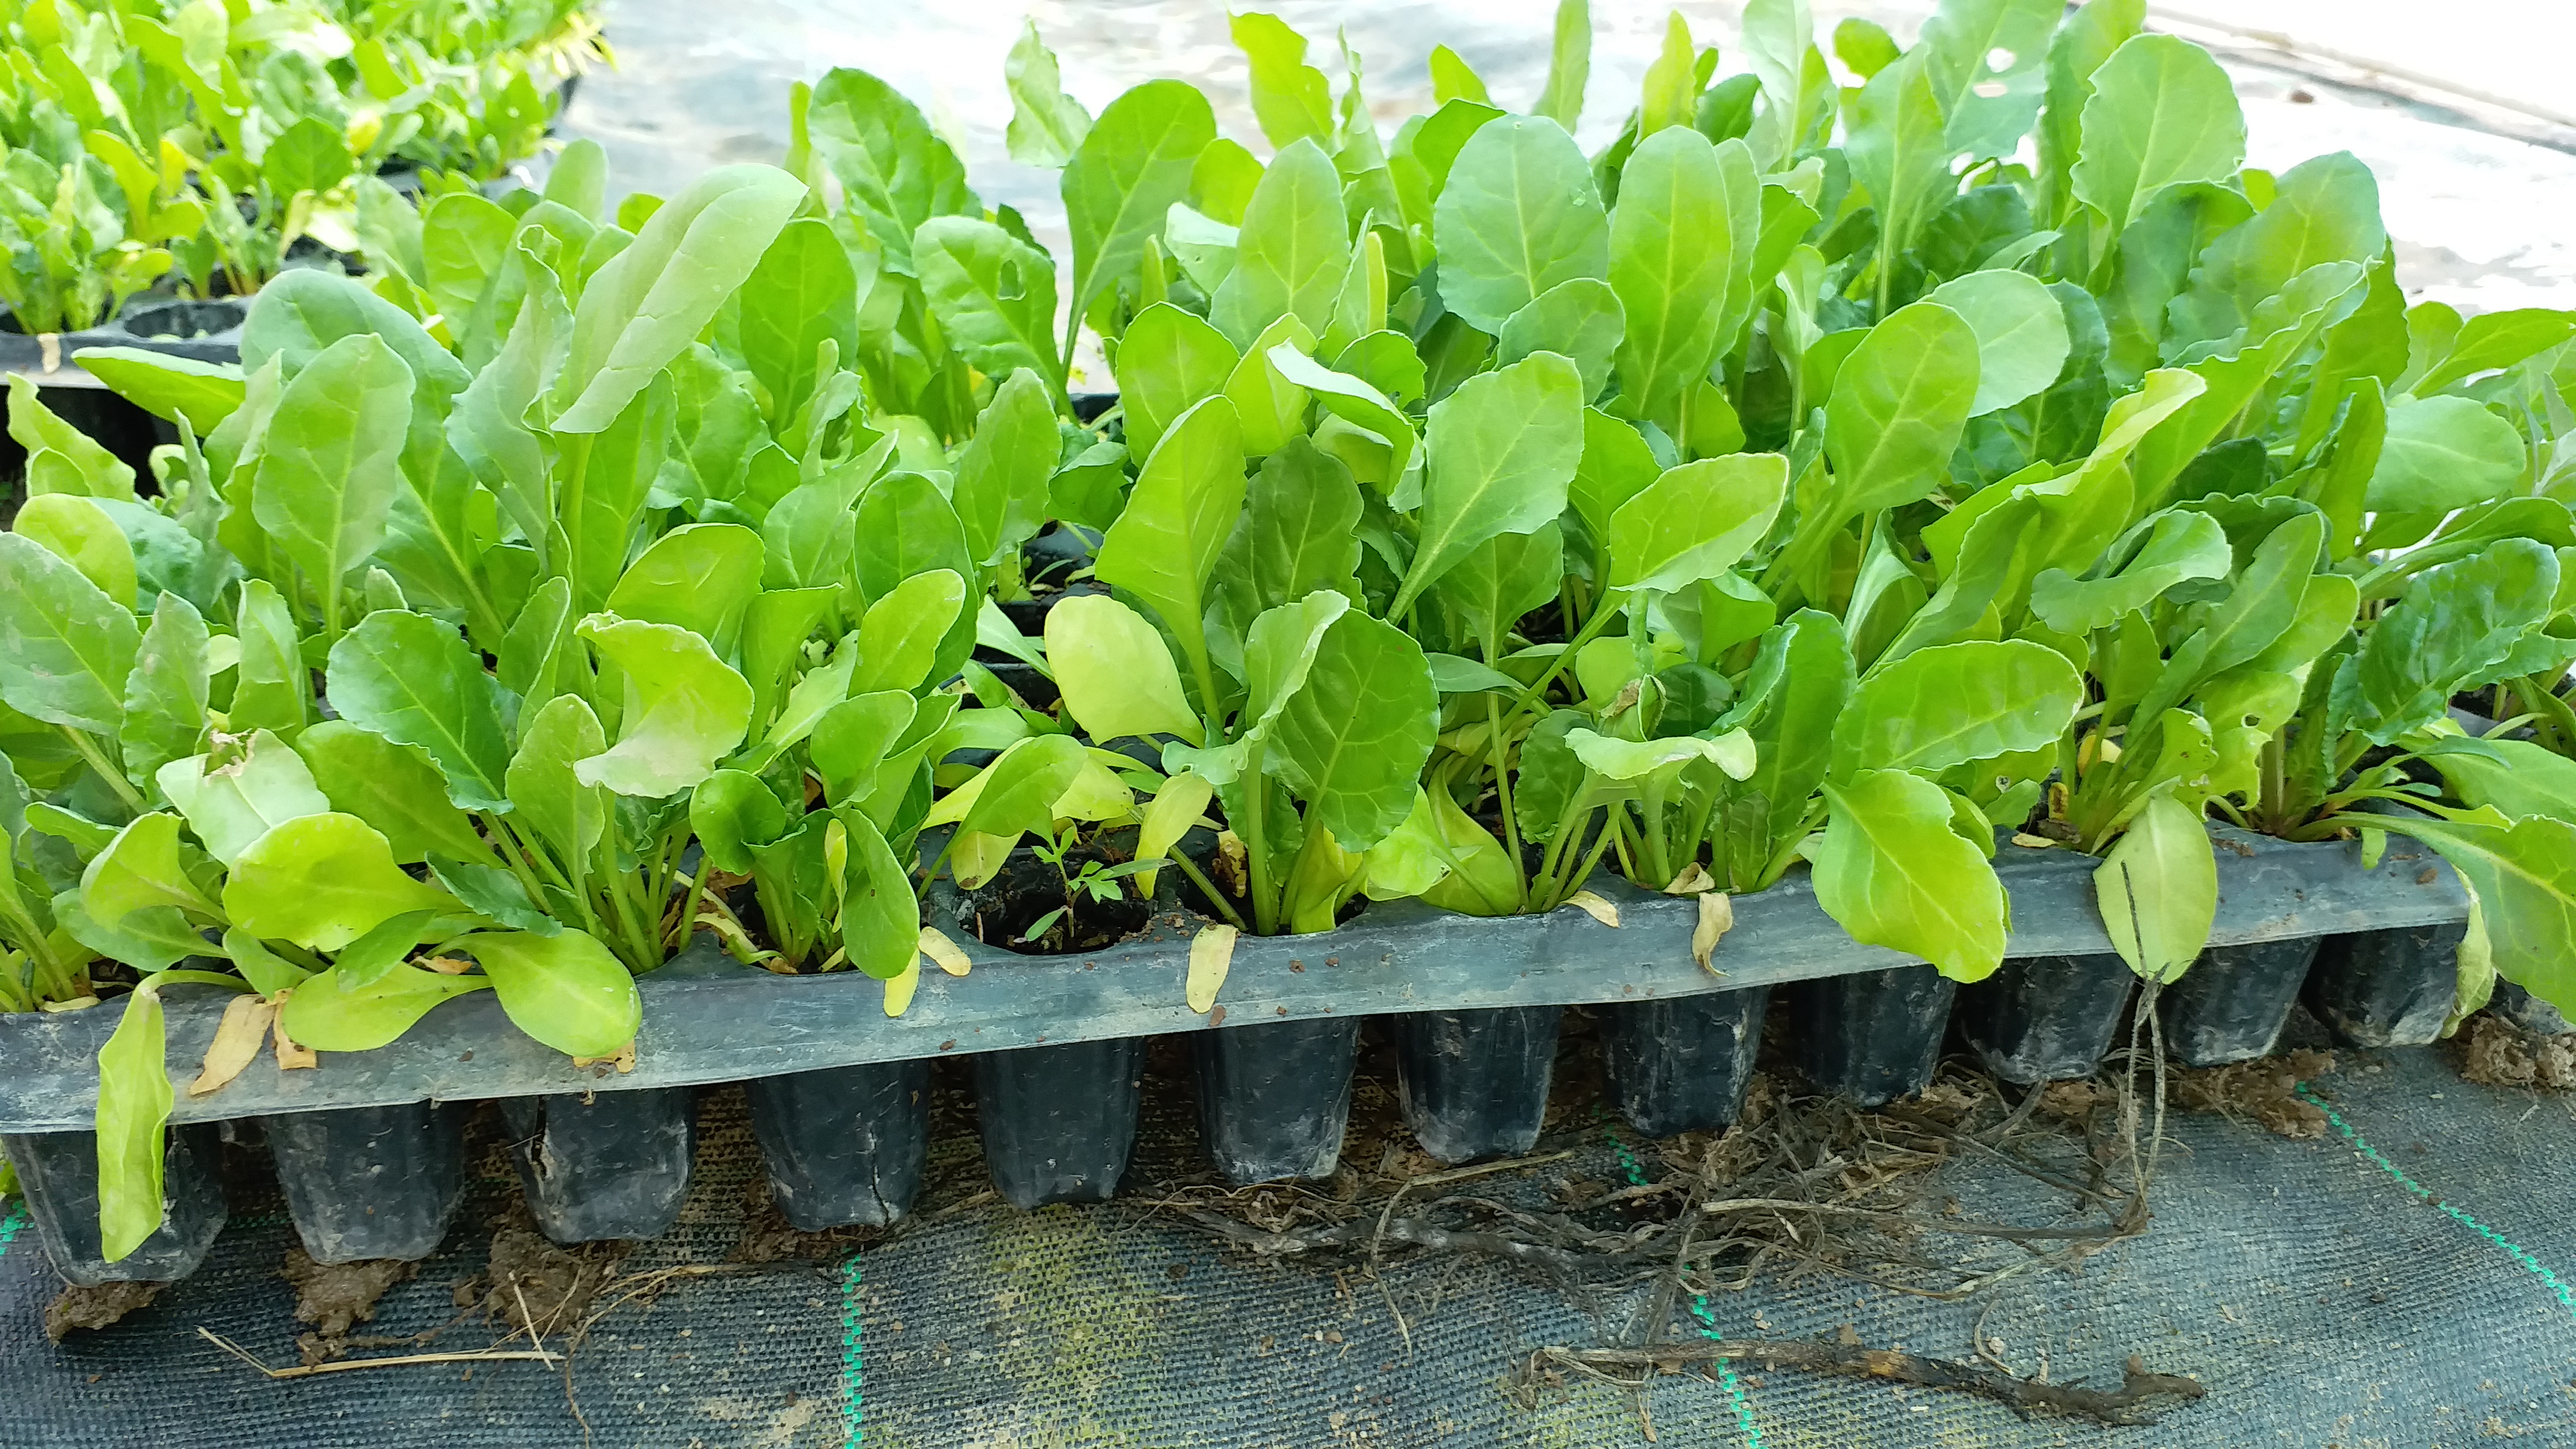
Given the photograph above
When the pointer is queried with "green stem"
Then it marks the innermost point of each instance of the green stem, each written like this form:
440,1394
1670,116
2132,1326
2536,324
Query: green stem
1208,889
1537,692
98,760
2540,699
1265,909
1503,800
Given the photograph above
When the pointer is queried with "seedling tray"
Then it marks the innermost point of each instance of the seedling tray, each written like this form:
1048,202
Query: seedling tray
709,1019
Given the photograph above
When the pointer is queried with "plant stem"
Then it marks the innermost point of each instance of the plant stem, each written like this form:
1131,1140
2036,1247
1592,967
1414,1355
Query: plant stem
1503,801
1208,889
107,770
1256,855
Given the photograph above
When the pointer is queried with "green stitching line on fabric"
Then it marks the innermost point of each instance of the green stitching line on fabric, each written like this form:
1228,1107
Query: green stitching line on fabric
2361,1146
1735,1395
850,1374
11,1226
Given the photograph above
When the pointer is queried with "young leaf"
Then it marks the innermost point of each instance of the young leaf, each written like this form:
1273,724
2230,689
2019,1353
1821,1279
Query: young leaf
700,577
1695,521
2021,334
2161,114
168,387
1047,126
1681,261
2441,454
684,708
895,172
549,798
1165,545
1569,65
802,294
1130,169
1293,251
81,533
1019,790
900,635
1898,407
1001,485
415,681
141,870
2455,628
272,685
1892,870
1169,362
568,991
994,295
1503,450
2158,890
331,462
1289,97
1115,672
165,694
65,648
322,881
232,803
1519,215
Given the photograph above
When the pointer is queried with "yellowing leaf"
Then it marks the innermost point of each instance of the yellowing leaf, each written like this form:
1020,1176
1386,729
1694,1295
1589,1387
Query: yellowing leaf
237,1041
1692,881
292,1055
1716,918
1595,905
944,952
1211,956
899,989
1174,810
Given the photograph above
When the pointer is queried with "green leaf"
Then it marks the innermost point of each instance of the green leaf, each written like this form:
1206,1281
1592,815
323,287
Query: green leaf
1984,59
568,991
232,802
1616,759
648,303
169,387
2158,890
684,708
1125,177
81,533
1899,152
2455,627
1569,64
2516,777
1681,261
415,681
2523,879
331,462
66,649
322,881
730,812
2325,209
1954,703
1354,737
1289,97
856,738
802,294
900,635
302,312
2179,546
1293,251
1169,362
1165,545
272,686
1452,78
1115,671
1803,678
1504,578
2444,453
1271,408
994,295
1581,319
700,577
310,155
1020,789
328,1013
1519,215
1047,126
397,788
1892,869
134,1100
1898,407
2162,114
895,172
165,694
2021,334
1001,486
2487,341
2262,606
1695,521
1617,465
1503,449
142,869
880,916
36,428
550,799
1672,85
1299,532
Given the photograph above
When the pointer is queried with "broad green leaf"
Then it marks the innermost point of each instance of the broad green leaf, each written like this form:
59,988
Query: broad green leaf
1353,739
1130,169
899,636
2517,777
894,170
1279,651
802,294
1496,583
568,991
1617,465
1165,545
1299,532
165,694
328,1014
684,708
1354,400
1984,59
2493,340
1001,486
2443,453
2180,546
1289,97
1047,126
1580,319
1803,678
1898,150
398,789
331,462
1293,251
1503,449
2021,334
2455,627
994,295
322,881
134,1100
304,311
66,649
854,739
1898,407
2161,114
272,685
1616,759
730,812
81,533
1169,362
2325,209
1954,703
413,680
1115,671
547,796
231,802
1695,521
2263,605
880,915
1019,791
1681,261
1175,810
700,577
37,428
2523,878
143,869
1519,215
2158,890
650,301
1892,869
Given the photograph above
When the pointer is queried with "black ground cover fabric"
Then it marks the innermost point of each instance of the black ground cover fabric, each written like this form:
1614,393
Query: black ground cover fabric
2403,1295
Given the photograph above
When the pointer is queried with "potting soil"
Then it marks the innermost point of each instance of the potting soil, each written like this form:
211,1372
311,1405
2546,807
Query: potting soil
2396,1280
